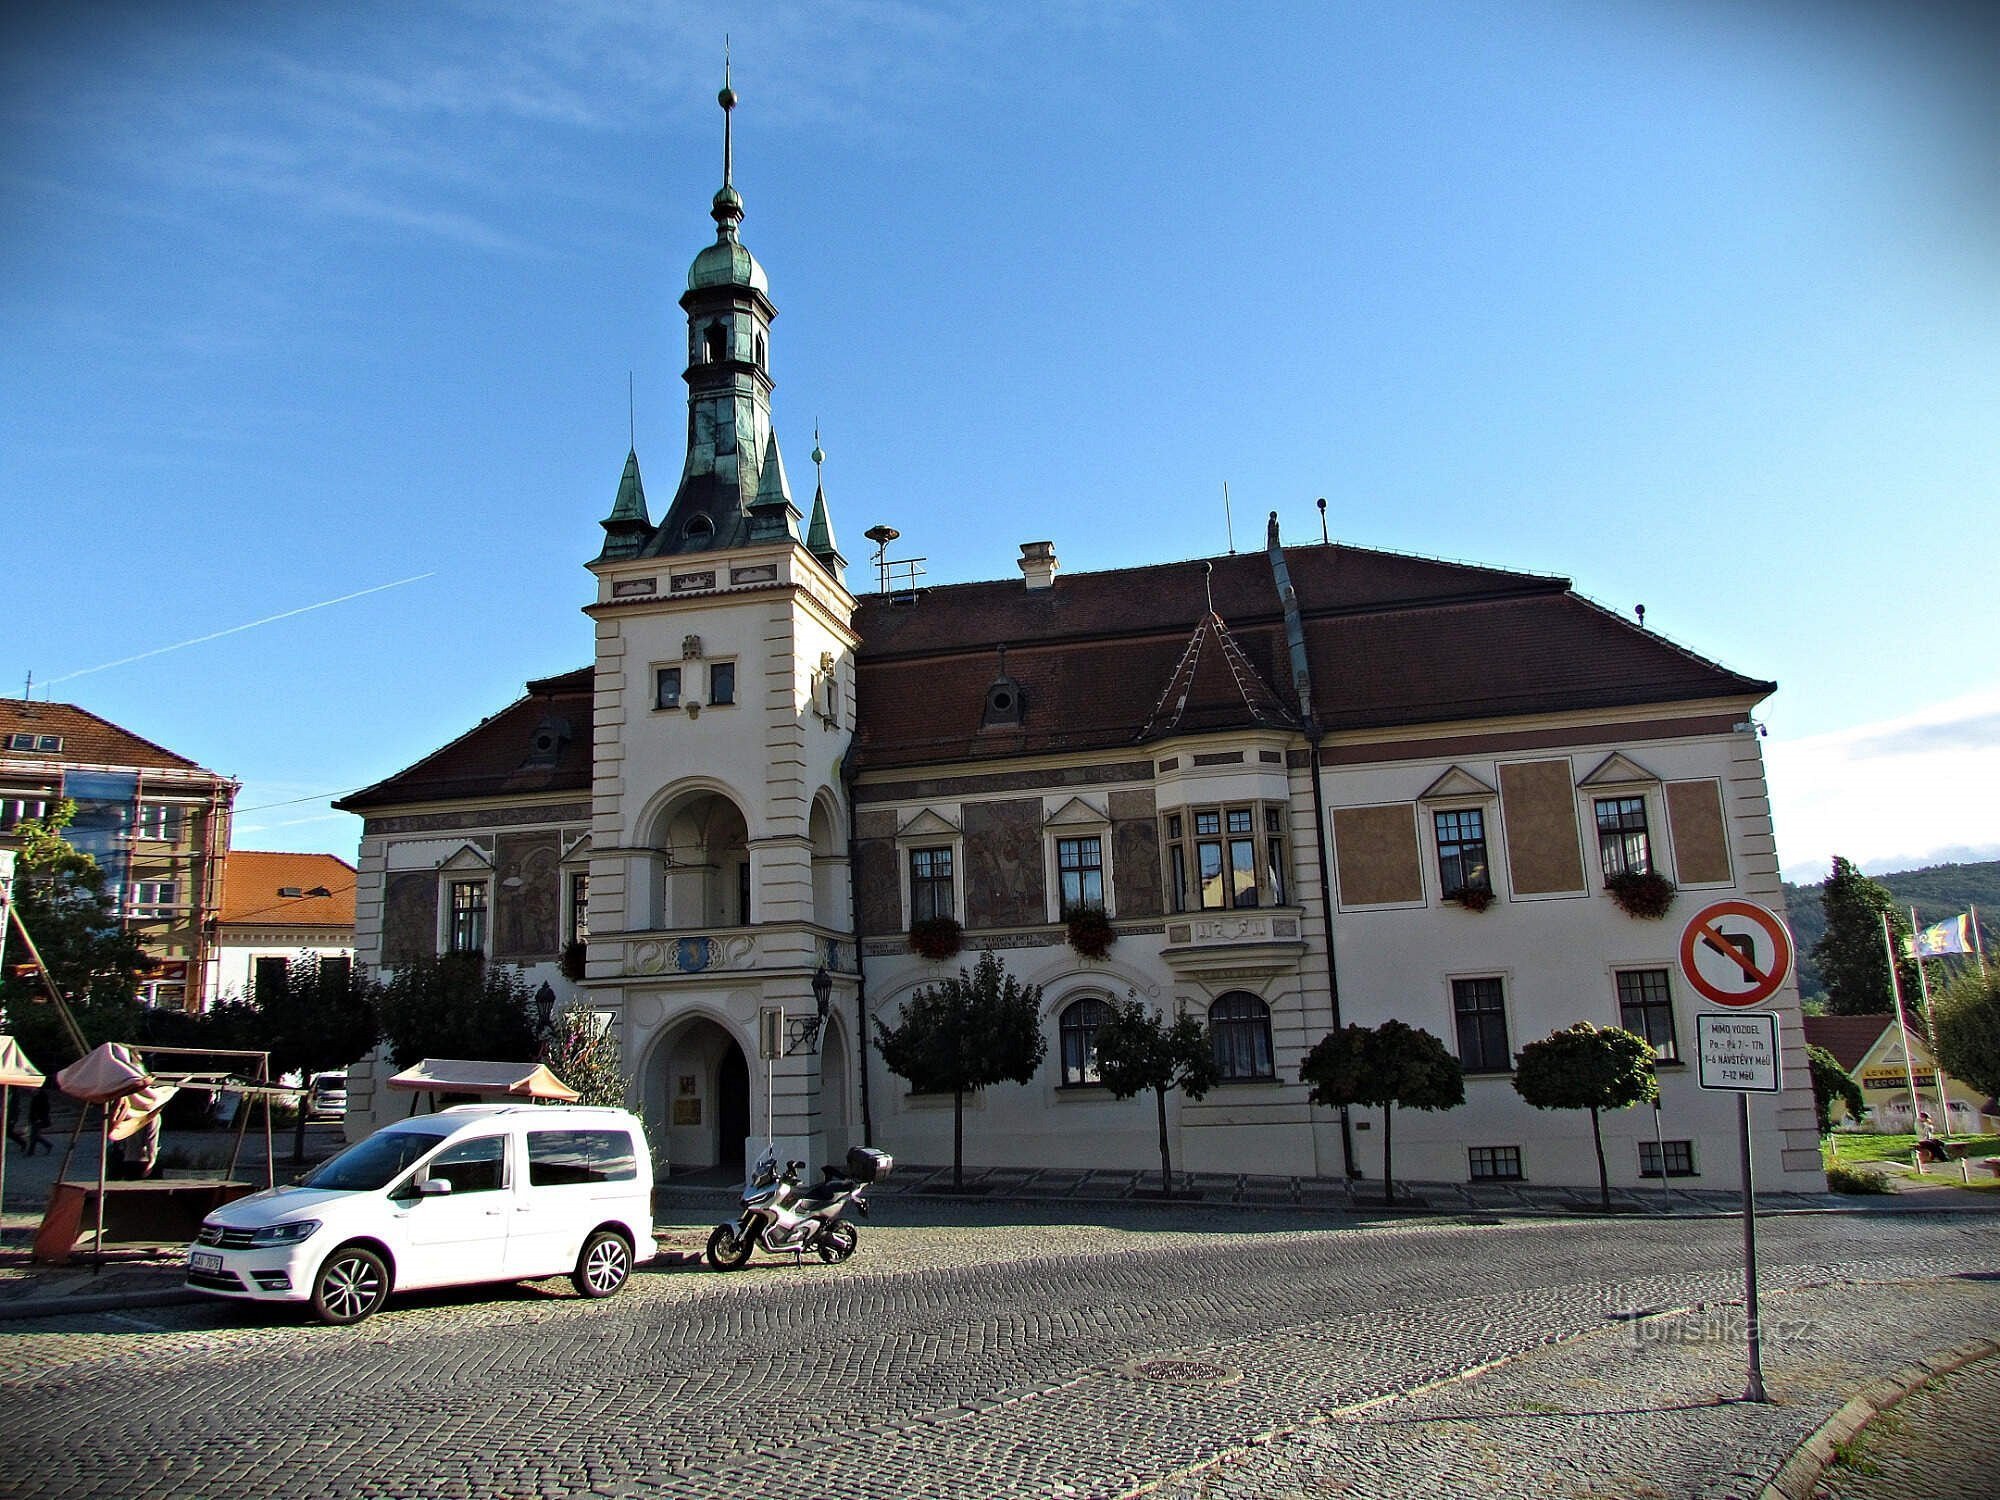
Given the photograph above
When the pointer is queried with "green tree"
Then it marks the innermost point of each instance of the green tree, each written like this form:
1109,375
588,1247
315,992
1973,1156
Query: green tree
585,1058
1394,1063
1967,1020
984,1027
1588,1067
1139,1050
1849,955
1830,1082
92,961
316,1018
456,1006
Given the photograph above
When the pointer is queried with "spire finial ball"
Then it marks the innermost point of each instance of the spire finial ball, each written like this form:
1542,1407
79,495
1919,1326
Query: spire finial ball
727,97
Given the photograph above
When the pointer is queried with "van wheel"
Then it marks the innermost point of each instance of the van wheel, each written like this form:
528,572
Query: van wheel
837,1241
726,1252
605,1263
352,1283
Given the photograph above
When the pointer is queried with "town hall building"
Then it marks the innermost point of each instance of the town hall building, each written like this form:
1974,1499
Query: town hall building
1305,786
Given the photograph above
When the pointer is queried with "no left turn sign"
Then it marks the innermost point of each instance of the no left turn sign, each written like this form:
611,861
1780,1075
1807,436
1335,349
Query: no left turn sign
1735,953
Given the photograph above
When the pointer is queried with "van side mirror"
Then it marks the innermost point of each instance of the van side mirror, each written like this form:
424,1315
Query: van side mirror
434,1187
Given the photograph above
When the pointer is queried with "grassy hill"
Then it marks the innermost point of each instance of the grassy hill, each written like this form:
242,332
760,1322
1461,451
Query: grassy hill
1937,892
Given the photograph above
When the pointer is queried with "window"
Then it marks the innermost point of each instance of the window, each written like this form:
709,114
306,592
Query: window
1680,1158
267,980
667,687
14,809
1461,843
475,1166
715,344
1080,871
721,682
1078,1032
1646,1006
50,742
154,898
579,906
468,916
1481,1009
930,884
1622,845
1239,1028
335,970
760,351
161,821
1236,856
558,1158
1495,1163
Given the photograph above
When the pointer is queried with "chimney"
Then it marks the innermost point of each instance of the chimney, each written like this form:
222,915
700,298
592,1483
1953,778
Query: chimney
1038,564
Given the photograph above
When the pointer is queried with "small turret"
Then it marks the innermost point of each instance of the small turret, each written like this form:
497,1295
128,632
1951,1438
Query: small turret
628,526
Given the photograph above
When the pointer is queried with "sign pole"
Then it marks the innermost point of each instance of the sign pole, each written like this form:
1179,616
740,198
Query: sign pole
1754,1391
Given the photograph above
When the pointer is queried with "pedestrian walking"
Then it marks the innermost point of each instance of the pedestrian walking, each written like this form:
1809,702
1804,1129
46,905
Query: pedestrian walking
39,1108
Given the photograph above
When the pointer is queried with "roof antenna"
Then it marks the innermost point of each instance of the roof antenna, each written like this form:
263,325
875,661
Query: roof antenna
1640,611
1228,523
1322,521
1208,582
631,414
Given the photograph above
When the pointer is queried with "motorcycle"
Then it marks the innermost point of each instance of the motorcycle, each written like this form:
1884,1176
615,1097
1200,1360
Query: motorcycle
781,1217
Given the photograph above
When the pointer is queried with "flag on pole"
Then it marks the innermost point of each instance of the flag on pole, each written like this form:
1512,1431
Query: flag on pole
1953,935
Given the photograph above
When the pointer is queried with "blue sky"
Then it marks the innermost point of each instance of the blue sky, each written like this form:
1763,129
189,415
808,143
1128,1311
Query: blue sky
1695,304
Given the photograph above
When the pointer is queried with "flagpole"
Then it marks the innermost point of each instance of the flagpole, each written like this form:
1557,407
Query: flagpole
1978,943
1903,1028
1930,1029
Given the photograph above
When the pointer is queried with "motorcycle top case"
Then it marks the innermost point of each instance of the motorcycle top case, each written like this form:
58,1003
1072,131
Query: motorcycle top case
866,1164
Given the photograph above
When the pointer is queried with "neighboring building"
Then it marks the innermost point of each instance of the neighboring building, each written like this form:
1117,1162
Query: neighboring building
1871,1049
157,823
276,909
1436,765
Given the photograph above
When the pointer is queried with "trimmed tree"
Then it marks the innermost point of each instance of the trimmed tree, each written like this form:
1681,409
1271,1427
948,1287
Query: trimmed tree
1138,1049
457,1006
1849,954
1967,1019
1830,1082
1394,1063
318,1017
1588,1067
983,1027
585,1058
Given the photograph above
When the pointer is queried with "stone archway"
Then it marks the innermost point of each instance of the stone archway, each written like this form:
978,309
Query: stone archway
697,1099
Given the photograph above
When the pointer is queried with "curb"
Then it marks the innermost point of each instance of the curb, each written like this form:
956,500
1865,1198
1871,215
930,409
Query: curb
1798,1476
63,1307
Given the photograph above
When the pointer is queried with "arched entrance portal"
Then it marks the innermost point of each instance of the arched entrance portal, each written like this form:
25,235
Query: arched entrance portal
732,1108
698,1098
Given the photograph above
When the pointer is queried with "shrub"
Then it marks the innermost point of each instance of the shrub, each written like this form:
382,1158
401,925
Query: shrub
936,938
1855,1180
1090,931
1641,893
1472,897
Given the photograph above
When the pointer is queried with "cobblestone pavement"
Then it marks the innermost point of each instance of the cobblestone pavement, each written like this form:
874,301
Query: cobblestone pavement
1941,1442
979,1350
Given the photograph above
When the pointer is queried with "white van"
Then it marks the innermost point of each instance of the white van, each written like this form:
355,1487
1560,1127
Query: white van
481,1192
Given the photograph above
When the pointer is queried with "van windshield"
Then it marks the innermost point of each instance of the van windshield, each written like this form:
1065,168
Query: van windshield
372,1163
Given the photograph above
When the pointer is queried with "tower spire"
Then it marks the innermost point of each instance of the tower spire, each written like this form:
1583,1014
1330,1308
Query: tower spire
728,208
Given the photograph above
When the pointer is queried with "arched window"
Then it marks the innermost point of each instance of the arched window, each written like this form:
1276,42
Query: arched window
1078,1031
1239,1028
715,345
698,531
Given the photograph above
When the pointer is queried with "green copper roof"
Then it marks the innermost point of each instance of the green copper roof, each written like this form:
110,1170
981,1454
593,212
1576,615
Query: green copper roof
727,263
631,502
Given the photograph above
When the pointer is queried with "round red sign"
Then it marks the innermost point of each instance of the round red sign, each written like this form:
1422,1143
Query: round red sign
1735,952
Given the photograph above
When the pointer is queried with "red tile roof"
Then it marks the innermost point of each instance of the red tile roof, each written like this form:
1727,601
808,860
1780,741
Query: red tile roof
253,881
86,739
497,756
1848,1038
1391,640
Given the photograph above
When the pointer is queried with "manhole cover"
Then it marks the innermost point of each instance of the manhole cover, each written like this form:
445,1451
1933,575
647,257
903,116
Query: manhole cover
1180,1371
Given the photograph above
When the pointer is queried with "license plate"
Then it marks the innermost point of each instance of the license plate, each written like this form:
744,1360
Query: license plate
201,1260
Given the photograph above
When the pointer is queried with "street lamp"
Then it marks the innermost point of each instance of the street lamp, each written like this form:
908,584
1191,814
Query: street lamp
822,988
545,1005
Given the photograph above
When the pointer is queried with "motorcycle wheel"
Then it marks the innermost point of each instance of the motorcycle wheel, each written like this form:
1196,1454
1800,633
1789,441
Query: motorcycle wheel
728,1253
837,1241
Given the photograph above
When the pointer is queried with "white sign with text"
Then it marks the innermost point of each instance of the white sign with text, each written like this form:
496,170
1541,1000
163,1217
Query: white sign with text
1739,1052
